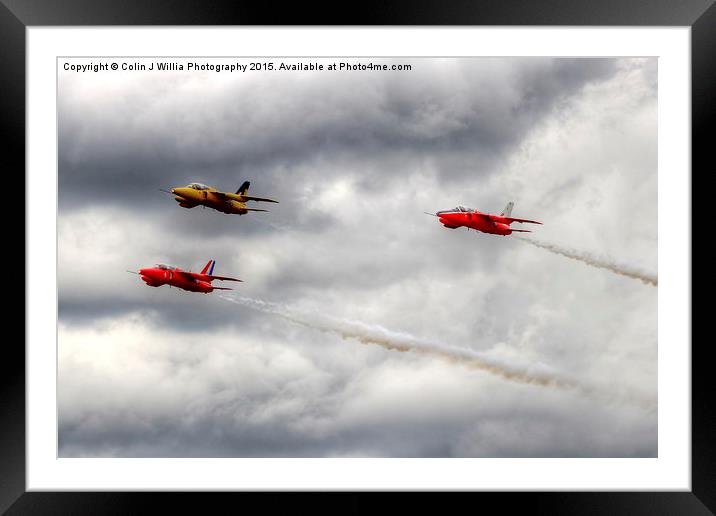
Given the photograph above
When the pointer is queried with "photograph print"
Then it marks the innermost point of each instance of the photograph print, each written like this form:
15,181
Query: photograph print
357,257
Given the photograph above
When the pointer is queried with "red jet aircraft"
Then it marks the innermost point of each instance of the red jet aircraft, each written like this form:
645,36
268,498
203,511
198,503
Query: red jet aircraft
175,277
485,222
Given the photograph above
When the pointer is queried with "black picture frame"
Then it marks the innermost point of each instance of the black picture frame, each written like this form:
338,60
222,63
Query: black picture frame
17,15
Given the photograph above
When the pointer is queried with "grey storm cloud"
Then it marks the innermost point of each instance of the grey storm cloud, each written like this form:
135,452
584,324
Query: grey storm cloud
159,134
354,160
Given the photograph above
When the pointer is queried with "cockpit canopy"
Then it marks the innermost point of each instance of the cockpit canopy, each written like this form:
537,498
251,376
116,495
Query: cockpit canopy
197,186
166,267
458,209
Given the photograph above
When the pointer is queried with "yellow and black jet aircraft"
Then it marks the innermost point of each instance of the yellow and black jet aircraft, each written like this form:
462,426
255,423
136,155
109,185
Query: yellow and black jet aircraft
197,194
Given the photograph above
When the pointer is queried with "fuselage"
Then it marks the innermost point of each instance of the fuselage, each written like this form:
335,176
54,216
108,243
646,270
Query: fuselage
226,202
158,276
473,219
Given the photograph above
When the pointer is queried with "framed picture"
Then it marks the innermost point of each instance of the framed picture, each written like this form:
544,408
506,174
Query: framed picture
418,253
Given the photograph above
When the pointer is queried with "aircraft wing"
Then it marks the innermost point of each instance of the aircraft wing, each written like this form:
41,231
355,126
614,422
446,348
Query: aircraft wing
194,276
512,219
481,215
191,276
259,199
509,220
244,198
223,278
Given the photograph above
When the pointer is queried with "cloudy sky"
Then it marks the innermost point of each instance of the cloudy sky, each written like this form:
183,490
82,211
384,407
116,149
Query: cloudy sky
355,158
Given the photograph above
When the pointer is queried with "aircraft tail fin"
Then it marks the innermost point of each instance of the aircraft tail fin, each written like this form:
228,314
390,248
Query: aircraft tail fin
243,188
206,269
508,209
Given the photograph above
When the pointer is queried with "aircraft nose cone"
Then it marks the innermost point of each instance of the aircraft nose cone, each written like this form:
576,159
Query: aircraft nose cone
174,190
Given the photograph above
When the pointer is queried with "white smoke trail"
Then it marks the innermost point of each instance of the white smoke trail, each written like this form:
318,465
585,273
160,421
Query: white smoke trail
601,263
404,342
